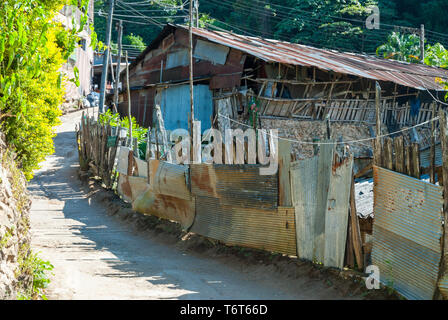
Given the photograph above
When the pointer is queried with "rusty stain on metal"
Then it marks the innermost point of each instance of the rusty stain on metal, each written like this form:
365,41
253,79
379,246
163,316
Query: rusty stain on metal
407,74
169,179
238,185
407,233
166,207
272,230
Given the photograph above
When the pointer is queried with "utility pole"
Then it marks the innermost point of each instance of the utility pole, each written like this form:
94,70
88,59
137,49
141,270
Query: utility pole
190,49
129,100
378,147
422,43
106,57
117,73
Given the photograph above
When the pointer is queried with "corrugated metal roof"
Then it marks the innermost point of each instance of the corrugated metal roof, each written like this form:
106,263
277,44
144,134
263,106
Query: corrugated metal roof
410,75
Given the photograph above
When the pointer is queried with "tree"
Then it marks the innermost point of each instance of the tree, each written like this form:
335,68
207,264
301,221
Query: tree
33,48
135,41
401,47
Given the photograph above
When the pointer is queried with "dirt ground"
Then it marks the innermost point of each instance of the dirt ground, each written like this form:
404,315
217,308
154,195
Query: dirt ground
101,249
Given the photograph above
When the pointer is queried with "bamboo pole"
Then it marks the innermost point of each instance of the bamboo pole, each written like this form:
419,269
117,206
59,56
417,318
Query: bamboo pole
129,100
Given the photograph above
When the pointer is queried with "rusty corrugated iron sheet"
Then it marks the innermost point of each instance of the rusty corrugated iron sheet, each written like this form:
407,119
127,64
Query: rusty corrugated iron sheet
166,207
407,74
271,230
169,179
407,233
131,187
235,185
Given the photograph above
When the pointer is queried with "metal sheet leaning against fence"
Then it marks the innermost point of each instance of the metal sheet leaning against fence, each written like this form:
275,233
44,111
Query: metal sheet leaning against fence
407,233
235,185
320,193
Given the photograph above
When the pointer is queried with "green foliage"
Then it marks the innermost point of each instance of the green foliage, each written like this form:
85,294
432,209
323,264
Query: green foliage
135,41
323,23
407,48
401,47
31,265
114,120
436,55
33,48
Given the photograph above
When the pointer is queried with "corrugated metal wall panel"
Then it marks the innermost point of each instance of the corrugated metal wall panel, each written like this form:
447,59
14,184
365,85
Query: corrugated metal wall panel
407,233
271,230
304,197
169,179
336,215
235,185
176,106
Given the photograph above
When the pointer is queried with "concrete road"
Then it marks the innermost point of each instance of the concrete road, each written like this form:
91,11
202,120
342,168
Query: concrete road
97,256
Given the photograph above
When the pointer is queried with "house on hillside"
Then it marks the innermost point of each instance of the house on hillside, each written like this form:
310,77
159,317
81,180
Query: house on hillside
295,87
82,57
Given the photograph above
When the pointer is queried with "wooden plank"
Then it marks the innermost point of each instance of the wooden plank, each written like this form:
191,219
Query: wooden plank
408,160
399,154
284,163
377,146
432,164
444,142
388,154
415,160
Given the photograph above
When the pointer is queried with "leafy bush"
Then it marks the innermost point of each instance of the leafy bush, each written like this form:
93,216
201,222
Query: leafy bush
30,264
33,48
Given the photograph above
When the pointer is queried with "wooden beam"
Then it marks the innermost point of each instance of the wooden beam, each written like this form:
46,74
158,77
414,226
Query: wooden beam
388,154
377,151
399,154
432,164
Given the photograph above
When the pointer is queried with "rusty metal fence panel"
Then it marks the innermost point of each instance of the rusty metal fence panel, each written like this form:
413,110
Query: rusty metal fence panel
235,185
407,233
272,230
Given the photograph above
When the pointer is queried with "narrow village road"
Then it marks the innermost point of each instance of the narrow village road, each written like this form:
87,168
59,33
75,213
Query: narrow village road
97,256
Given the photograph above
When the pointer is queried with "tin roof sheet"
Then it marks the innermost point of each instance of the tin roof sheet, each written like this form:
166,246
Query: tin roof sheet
407,74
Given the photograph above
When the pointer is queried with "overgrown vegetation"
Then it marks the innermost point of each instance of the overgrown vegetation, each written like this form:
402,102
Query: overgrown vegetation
137,131
33,48
407,48
31,266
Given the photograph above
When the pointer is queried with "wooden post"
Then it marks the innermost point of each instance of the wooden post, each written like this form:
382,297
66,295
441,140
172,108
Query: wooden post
190,51
415,160
409,160
148,148
388,154
377,148
356,233
432,173
399,154
284,163
117,78
129,100
444,143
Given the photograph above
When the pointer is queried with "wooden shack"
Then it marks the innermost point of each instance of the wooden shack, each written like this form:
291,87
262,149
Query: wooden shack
296,88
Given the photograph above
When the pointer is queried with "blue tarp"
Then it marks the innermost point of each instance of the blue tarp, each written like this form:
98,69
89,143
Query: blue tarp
176,106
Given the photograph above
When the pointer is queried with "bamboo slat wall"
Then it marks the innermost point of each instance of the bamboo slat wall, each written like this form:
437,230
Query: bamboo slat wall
344,110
